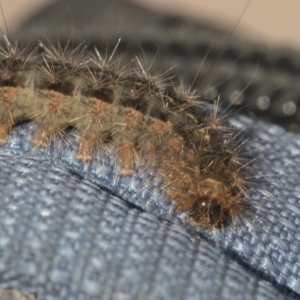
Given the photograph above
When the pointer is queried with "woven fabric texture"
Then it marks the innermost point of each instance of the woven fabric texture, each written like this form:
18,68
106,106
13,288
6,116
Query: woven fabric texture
74,231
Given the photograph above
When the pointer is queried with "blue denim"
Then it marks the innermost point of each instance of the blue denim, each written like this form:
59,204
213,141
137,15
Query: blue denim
78,231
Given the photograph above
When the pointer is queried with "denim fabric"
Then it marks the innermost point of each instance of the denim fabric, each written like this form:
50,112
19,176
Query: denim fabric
78,231
75,231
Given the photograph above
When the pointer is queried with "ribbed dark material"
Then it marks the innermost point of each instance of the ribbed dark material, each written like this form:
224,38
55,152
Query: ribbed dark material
273,74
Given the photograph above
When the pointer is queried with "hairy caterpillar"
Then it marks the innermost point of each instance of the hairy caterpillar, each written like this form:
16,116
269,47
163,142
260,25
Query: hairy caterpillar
140,114
108,142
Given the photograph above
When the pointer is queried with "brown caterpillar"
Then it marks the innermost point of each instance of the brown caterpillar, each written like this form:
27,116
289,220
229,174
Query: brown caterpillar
142,115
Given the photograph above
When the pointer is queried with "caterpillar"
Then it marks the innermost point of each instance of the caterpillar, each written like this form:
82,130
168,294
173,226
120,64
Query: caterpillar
142,115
